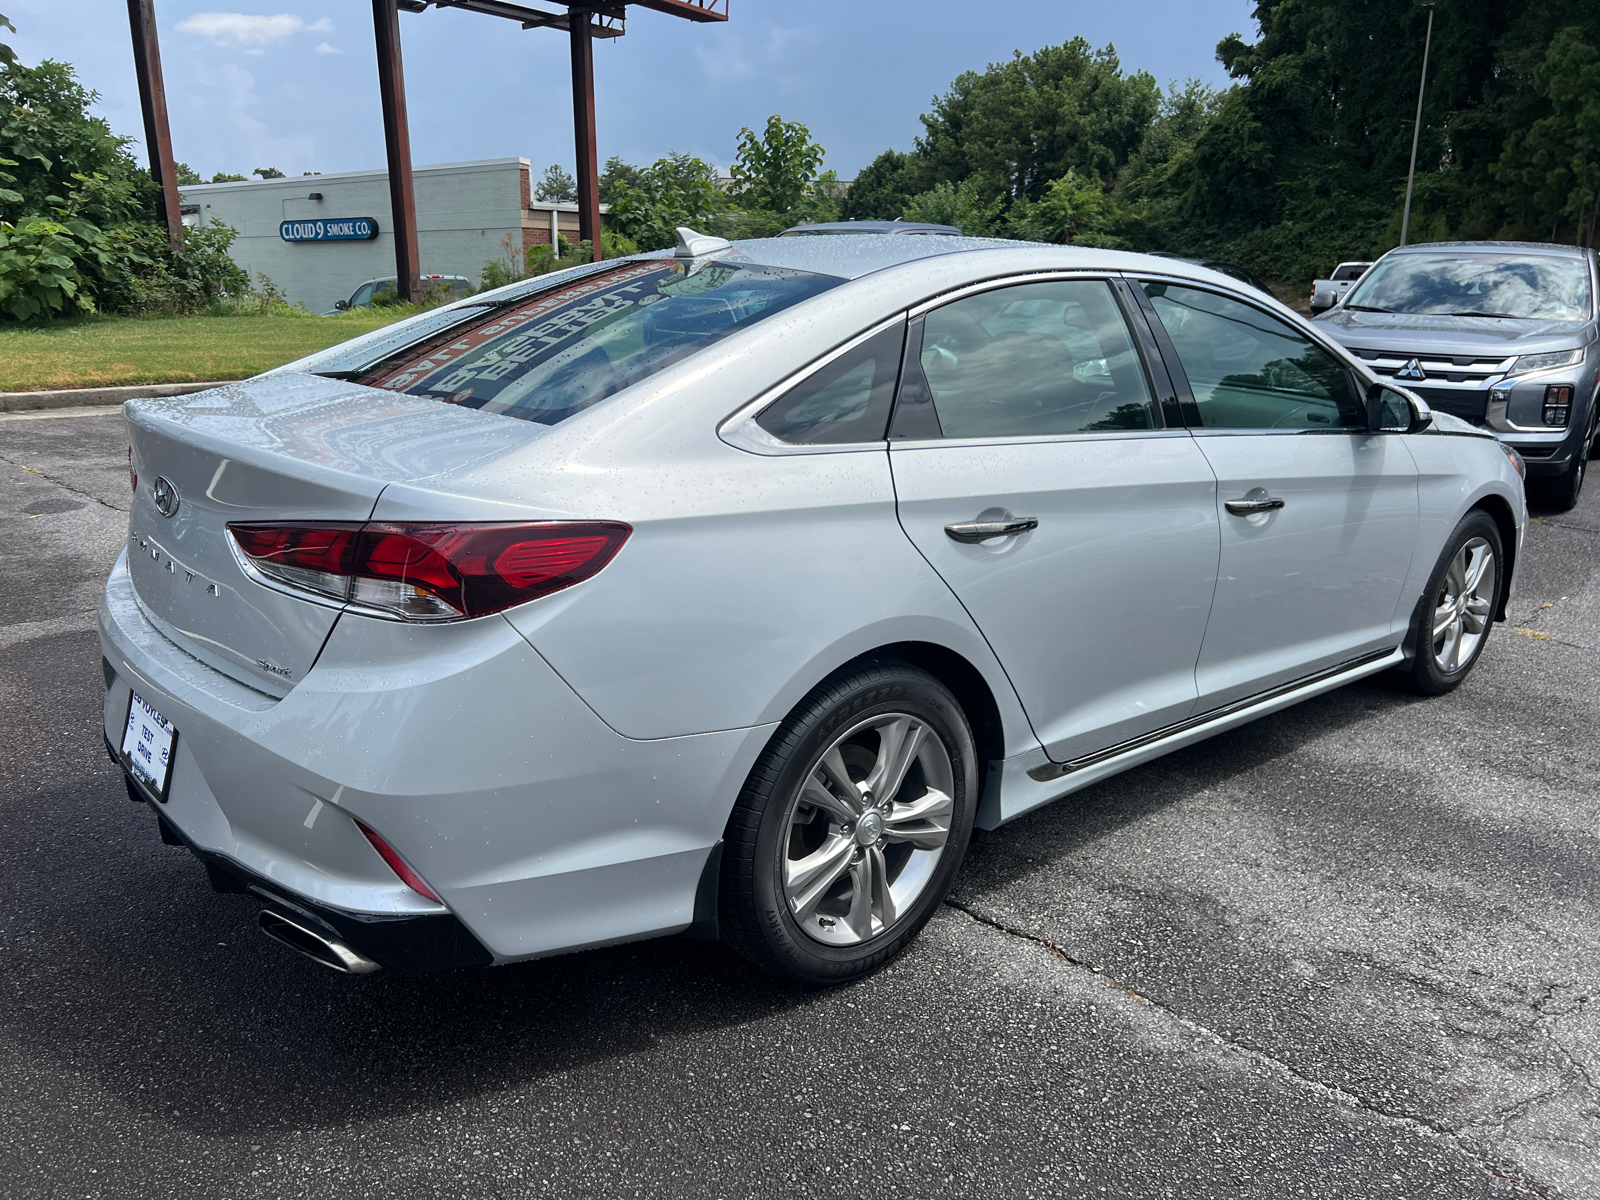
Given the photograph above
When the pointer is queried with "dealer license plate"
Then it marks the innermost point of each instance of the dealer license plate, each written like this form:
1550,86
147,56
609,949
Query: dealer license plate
147,746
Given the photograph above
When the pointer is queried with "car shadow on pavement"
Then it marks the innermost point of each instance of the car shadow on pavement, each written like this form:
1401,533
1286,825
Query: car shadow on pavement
1059,830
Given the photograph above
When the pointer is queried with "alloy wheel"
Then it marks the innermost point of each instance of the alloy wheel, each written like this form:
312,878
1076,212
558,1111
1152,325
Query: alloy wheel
1462,613
866,829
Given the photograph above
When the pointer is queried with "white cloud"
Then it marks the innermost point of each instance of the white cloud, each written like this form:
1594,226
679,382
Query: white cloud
324,48
243,29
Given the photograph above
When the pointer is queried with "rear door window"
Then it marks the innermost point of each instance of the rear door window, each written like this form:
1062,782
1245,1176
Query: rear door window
552,353
1034,359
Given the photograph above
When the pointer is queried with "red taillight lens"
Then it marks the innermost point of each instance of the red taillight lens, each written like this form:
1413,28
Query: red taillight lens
430,571
321,547
399,865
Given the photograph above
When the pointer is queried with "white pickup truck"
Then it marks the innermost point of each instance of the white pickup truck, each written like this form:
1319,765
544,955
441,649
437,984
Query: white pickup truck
1325,293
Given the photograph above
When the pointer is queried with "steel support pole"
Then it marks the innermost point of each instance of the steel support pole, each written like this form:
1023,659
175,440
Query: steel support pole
583,129
397,144
1416,132
153,100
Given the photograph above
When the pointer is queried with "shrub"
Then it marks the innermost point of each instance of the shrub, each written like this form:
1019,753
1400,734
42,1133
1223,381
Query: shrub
38,274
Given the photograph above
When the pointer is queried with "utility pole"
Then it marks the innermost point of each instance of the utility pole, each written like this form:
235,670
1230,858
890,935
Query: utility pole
397,149
153,103
583,128
1416,133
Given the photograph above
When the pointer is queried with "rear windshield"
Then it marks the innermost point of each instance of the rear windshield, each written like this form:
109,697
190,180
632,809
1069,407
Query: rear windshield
545,356
1450,283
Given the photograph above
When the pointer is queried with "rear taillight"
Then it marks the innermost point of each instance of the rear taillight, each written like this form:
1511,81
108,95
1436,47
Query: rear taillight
428,571
399,865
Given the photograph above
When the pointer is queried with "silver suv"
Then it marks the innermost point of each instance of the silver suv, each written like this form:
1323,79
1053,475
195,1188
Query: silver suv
1501,334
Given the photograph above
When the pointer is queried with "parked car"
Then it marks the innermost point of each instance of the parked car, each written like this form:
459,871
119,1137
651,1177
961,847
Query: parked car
1325,293
1500,334
891,227
382,291
1232,270
726,591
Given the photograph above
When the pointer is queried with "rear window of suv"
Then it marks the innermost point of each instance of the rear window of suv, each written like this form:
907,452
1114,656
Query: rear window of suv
548,354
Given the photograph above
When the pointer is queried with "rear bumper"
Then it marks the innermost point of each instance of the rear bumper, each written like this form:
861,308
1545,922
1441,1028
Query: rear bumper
403,945
541,828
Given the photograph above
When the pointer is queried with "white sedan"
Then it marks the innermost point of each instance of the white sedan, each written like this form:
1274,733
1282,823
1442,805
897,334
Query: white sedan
726,591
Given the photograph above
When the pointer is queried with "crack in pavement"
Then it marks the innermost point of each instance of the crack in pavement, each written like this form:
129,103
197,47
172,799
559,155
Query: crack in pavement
61,483
1342,1096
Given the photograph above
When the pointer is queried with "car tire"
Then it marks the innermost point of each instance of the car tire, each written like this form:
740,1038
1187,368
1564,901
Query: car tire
823,881
1443,659
1561,493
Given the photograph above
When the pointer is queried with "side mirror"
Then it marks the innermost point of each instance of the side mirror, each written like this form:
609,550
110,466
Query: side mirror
1394,410
341,305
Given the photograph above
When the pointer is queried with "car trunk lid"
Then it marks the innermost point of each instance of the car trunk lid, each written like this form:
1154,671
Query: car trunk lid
279,447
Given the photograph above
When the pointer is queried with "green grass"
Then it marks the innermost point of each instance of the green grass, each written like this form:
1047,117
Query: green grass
108,351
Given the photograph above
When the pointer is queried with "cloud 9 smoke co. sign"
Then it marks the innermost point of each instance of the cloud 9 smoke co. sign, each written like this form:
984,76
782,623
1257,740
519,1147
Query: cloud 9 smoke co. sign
340,229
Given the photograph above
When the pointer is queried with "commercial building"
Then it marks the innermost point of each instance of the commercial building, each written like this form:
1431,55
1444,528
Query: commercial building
319,237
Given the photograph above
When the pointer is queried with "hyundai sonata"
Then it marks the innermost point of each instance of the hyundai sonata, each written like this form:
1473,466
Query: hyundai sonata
726,591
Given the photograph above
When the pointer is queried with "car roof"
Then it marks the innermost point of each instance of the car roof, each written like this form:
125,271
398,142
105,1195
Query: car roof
852,257
1551,248
831,227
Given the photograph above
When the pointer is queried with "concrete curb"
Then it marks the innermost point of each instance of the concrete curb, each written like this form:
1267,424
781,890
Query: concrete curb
11,402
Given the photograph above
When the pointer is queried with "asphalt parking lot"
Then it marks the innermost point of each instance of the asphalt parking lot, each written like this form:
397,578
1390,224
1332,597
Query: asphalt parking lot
1352,950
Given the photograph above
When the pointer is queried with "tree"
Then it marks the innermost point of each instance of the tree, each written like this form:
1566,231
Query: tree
1556,160
884,187
184,174
676,190
1071,206
1020,124
50,138
774,172
556,185
224,177
614,176
960,205
268,173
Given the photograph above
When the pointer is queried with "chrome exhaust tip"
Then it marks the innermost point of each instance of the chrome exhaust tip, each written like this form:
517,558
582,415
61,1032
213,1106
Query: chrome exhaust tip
313,945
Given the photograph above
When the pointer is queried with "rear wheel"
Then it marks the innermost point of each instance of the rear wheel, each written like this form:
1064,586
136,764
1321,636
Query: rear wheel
1455,613
851,826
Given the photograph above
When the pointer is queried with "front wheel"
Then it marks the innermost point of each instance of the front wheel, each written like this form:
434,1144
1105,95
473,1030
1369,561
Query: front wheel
1453,617
1561,492
851,826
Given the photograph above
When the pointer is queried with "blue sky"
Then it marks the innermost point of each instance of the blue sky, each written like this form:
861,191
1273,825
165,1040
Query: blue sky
293,83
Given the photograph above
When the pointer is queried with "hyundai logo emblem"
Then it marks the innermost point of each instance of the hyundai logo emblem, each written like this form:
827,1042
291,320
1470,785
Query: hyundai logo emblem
1412,370
166,496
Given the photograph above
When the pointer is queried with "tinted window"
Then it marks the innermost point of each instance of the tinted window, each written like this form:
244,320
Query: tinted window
545,356
1249,370
1347,272
1037,358
1458,283
846,401
363,295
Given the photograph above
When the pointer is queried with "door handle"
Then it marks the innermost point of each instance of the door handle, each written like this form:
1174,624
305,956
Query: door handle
1252,504
972,532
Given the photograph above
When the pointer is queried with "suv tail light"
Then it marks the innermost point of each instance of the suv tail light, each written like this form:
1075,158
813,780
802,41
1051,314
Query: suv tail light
427,570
